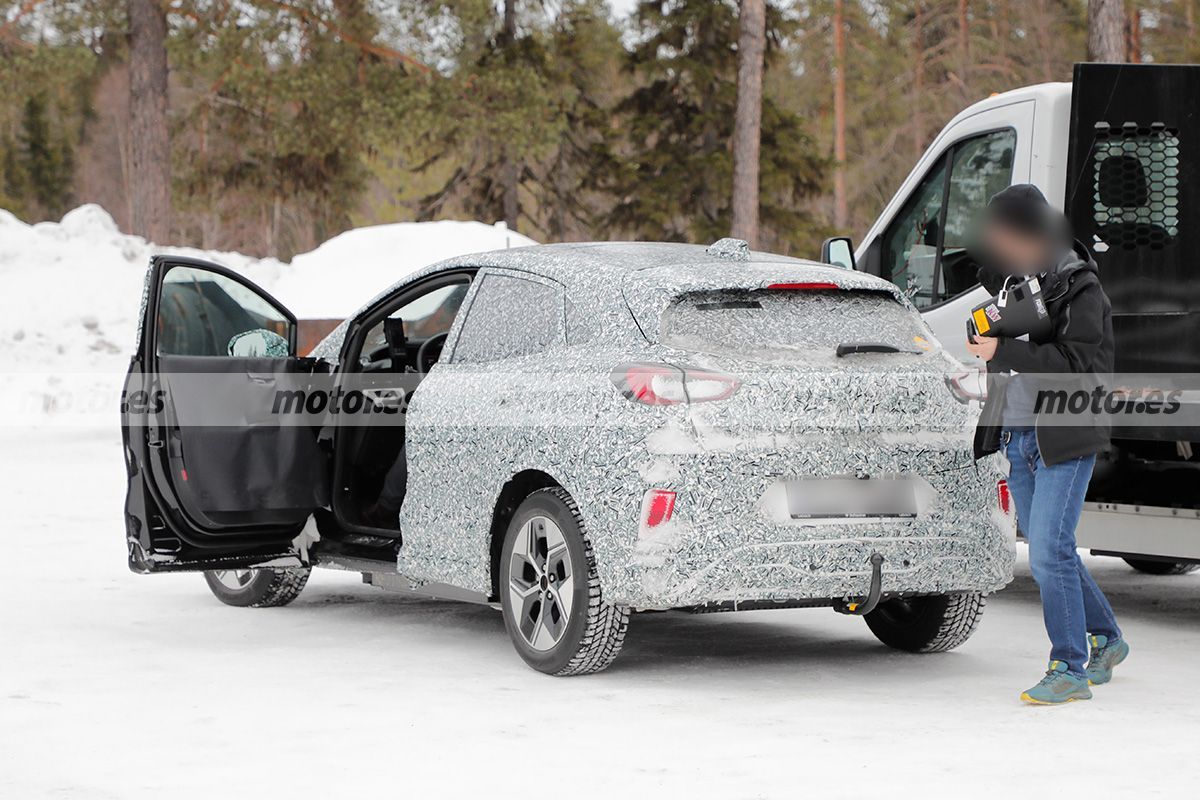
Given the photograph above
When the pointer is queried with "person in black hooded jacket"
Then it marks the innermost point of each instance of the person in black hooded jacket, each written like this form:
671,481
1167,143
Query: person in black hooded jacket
1050,458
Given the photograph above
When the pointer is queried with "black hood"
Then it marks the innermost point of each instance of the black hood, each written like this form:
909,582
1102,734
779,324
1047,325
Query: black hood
1022,207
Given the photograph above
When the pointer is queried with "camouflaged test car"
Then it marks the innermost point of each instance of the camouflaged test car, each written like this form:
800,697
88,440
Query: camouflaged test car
590,430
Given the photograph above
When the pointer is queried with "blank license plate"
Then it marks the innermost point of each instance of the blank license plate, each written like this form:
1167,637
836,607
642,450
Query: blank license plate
851,498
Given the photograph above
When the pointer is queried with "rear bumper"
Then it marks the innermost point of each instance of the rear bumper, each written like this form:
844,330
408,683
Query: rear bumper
805,569
724,546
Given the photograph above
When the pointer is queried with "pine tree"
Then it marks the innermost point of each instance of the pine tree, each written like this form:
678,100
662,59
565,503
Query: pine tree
670,162
519,115
14,185
289,105
46,162
584,57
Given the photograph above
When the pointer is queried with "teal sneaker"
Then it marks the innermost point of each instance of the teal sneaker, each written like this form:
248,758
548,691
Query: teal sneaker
1105,656
1058,687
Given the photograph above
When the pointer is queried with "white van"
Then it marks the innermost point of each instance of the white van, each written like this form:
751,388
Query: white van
1109,149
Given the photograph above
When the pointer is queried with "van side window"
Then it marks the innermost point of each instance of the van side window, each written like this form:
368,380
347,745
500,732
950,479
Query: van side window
924,248
510,317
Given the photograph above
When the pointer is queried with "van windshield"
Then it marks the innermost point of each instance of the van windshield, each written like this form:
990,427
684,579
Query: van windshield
794,325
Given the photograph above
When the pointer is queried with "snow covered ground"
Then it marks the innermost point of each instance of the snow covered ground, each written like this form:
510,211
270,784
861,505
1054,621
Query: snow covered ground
114,685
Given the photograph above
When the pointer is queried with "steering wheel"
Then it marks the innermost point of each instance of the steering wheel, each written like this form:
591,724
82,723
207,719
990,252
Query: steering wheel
430,351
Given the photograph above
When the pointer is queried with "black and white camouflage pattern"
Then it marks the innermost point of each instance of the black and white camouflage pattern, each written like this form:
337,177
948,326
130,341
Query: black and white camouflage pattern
472,427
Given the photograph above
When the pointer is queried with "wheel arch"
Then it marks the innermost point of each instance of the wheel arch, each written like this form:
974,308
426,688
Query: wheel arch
512,494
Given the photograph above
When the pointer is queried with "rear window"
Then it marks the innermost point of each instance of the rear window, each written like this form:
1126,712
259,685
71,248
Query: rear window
788,325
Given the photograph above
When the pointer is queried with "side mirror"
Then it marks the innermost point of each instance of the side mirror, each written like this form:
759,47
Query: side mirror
258,343
839,252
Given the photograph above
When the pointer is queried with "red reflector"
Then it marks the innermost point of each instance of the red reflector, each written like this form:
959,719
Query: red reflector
657,507
183,474
1003,496
803,287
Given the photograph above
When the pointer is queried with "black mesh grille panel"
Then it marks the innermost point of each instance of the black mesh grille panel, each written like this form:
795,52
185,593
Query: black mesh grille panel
1135,171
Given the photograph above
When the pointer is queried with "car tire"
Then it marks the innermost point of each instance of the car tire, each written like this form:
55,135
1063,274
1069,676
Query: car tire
559,633
931,624
1153,567
257,588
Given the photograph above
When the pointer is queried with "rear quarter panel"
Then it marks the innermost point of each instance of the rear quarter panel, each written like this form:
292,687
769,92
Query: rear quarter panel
472,427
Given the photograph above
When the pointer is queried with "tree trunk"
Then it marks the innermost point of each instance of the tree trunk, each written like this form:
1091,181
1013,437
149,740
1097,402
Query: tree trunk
1046,40
918,119
1106,30
510,169
1134,44
510,19
747,126
150,146
964,45
841,216
510,184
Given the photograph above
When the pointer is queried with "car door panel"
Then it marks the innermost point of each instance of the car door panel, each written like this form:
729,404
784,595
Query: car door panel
245,464
216,476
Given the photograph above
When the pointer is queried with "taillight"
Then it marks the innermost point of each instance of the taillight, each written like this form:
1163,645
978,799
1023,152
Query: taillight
811,286
657,507
666,385
1004,497
704,386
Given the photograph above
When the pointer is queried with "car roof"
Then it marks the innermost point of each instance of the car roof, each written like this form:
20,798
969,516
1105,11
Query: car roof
565,262
613,279
606,278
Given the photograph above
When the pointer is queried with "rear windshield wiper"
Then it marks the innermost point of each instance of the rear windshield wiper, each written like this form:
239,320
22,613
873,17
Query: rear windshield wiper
850,348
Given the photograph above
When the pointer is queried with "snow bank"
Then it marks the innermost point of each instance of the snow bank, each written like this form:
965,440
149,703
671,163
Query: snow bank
348,270
70,290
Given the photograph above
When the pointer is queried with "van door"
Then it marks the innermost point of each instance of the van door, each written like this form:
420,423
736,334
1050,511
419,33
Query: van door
217,478
919,243
1132,197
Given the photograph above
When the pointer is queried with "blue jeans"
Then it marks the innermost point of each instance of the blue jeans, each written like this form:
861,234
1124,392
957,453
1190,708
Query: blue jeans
1049,501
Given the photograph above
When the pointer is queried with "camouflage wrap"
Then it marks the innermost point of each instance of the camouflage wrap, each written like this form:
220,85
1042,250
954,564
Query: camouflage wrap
473,427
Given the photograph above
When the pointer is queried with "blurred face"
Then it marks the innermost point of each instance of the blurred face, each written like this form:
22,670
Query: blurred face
1017,252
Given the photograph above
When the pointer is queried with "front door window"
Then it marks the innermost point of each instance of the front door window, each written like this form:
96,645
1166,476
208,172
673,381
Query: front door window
911,241
982,167
924,248
205,313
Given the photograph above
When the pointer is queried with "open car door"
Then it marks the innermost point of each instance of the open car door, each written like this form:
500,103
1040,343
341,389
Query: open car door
218,479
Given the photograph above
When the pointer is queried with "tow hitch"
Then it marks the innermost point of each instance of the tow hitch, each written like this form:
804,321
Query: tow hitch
868,603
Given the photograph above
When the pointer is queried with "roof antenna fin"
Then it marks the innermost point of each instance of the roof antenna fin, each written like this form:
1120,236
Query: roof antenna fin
730,249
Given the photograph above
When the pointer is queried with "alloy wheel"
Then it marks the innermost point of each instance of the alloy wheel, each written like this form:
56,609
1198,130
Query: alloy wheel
541,583
234,579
